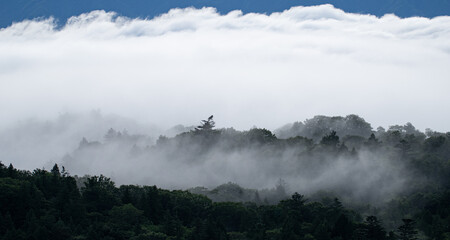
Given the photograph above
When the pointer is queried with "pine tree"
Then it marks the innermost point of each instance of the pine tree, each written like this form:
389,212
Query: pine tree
207,125
407,230
374,230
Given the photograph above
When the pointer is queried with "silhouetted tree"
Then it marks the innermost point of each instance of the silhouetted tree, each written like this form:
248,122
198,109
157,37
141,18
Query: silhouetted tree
330,139
55,170
372,142
99,194
373,229
407,231
207,125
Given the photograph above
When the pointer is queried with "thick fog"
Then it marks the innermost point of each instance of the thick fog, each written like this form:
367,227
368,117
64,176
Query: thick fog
249,70
253,159
33,143
181,158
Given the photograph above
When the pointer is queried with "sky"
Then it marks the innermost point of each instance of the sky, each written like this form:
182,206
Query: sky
246,69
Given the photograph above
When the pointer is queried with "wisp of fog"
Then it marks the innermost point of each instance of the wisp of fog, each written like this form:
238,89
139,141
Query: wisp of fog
248,69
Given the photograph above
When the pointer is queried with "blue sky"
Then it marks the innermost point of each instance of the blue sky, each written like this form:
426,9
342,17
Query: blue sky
18,10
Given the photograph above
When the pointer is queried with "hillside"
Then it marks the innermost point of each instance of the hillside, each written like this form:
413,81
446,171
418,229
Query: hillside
354,183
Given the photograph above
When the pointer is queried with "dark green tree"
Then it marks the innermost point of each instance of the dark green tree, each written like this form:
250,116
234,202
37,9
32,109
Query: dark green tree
260,136
343,228
407,230
373,229
55,170
99,194
207,125
331,139
372,142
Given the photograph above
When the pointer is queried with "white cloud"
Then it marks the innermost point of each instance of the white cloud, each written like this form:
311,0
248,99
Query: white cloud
251,69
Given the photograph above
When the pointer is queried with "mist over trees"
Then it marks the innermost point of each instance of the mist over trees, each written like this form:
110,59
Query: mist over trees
316,127
49,205
342,155
391,184
34,143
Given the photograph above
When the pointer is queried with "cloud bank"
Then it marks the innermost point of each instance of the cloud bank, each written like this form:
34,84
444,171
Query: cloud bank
252,69
209,158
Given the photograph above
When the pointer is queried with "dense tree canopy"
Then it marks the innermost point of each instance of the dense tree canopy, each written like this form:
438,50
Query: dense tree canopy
54,205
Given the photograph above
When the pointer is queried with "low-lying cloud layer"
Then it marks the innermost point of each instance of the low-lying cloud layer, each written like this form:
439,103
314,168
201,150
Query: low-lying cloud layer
252,69
210,158
32,143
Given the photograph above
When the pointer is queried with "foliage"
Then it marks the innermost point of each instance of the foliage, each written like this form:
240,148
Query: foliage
50,205
31,209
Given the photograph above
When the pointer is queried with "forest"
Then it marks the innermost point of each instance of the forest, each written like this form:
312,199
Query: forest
323,178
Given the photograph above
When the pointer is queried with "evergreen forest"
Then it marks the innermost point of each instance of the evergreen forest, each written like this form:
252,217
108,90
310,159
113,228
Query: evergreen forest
335,178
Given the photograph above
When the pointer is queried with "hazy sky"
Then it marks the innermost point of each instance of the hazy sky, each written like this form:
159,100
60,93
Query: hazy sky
247,70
